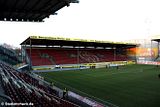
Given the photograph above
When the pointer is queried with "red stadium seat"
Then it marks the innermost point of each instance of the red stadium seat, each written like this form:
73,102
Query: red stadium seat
69,56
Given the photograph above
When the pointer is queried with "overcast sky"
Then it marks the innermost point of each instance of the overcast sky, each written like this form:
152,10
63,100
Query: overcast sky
114,20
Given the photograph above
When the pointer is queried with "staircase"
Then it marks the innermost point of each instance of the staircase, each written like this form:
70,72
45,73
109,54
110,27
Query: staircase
52,60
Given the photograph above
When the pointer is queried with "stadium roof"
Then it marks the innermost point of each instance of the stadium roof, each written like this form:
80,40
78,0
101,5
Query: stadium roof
157,40
59,41
30,10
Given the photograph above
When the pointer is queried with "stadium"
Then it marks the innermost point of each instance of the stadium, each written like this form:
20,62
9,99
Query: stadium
71,72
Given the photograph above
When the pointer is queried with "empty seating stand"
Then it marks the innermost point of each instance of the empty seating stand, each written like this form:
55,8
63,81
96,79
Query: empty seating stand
24,88
52,56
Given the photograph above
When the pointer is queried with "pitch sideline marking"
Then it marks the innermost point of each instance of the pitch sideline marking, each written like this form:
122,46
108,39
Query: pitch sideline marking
126,72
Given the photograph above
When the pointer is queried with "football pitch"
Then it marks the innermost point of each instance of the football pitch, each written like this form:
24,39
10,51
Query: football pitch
128,86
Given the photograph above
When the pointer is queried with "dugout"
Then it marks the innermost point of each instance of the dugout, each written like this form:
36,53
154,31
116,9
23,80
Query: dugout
34,42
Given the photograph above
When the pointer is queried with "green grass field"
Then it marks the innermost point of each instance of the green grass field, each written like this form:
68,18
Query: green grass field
128,86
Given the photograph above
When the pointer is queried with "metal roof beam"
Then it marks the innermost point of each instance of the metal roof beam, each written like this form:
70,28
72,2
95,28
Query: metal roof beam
52,10
25,4
36,3
14,5
46,4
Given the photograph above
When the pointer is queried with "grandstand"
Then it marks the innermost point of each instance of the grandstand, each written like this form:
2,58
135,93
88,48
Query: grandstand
52,56
46,51
25,89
